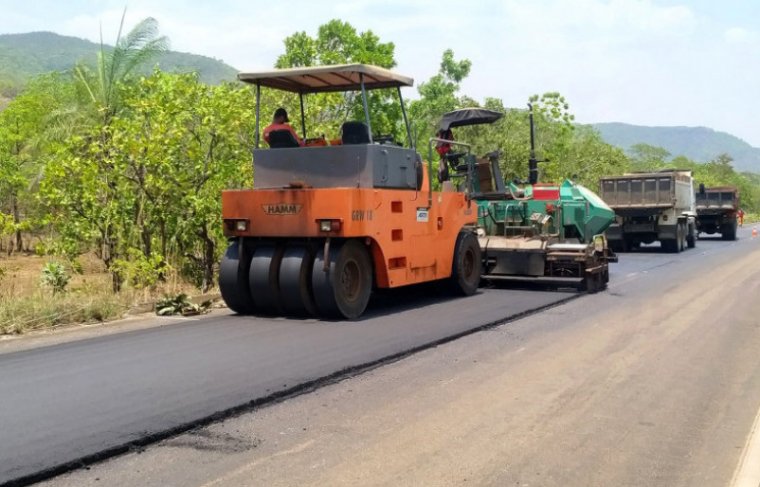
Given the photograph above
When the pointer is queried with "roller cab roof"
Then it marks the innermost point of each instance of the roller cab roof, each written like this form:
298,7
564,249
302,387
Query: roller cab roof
322,79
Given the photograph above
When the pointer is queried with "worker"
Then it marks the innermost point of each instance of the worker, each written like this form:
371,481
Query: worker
740,214
280,122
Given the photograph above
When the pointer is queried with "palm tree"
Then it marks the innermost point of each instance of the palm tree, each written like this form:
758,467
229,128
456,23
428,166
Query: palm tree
114,66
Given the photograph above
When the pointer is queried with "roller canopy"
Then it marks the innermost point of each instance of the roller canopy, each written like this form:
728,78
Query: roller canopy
321,79
469,116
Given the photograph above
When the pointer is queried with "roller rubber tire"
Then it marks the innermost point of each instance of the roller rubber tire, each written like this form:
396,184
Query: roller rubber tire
344,290
233,280
264,278
467,265
296,295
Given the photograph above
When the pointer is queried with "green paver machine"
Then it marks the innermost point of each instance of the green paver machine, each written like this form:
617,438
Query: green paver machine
528,231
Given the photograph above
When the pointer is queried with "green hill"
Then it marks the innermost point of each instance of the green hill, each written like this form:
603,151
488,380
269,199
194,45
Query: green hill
23,56
698,143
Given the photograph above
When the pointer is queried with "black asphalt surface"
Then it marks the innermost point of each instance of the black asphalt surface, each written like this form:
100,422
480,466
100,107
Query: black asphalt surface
69,401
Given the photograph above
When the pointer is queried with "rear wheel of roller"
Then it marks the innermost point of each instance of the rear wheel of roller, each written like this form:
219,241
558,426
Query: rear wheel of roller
467,264
343,290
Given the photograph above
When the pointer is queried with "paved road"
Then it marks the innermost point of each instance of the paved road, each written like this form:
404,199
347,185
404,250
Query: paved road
68,401
655,382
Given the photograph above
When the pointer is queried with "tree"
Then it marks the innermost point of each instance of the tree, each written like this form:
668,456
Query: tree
648,157
25,139
338,42
91,186
438,95
115,66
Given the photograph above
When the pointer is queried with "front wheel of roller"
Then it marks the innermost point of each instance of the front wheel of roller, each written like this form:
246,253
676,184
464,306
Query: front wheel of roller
263,278
233,280
295,281
465,270
343,290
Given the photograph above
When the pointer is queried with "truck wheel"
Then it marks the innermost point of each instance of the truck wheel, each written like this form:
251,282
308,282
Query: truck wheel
691,237
465,270
670,245
593,283
728,232
616,245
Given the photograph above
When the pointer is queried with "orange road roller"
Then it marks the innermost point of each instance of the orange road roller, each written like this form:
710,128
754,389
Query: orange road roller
325,224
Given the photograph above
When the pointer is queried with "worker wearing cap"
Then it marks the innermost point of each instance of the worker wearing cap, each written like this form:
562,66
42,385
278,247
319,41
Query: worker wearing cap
280,122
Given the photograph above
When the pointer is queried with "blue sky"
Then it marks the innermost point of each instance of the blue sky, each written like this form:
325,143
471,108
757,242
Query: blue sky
651,62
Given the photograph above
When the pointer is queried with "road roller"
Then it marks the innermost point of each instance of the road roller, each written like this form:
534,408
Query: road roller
328,222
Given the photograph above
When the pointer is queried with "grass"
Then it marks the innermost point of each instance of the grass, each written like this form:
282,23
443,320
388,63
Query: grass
45,311
27,305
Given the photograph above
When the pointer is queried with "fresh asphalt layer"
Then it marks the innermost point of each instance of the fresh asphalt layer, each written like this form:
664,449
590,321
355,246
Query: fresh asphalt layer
66,402
70,401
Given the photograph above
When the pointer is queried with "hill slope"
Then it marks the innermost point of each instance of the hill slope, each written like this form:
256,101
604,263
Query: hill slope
26,55
699,143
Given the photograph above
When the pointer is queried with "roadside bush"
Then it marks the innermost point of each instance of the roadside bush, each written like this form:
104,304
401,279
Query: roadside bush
55,277
140,271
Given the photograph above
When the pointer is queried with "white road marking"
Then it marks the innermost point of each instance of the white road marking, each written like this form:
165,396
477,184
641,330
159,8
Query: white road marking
747,473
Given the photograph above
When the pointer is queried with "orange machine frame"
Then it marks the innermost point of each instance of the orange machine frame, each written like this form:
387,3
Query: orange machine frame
410,242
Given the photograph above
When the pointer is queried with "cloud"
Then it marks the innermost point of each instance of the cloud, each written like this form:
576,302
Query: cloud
739,35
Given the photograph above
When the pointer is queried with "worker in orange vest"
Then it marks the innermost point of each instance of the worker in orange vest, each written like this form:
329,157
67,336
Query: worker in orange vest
740,214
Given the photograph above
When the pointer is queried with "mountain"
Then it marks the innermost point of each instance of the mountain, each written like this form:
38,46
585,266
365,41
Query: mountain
23,56
698,143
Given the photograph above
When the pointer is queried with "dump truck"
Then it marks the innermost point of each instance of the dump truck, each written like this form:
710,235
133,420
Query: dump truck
717,210
650,207
326,223
528,231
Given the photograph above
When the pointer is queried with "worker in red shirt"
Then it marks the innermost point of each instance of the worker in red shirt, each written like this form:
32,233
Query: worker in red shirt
740,214
280,122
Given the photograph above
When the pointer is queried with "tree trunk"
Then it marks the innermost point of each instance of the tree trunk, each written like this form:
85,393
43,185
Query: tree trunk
107,256
209,260
147,239
19,244
162,229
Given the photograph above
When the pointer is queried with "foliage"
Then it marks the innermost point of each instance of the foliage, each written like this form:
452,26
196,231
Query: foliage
180,304
338,42
438,95
55,276
116,65
141,271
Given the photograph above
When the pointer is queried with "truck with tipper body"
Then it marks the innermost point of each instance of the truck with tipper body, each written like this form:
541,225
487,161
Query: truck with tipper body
650,207
717,211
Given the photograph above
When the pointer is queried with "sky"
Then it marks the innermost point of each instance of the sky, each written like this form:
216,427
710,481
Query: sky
646,62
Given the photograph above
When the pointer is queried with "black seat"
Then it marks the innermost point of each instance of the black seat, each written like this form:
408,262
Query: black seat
282,139
354,133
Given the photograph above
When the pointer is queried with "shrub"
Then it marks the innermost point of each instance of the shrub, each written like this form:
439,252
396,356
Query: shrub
55,277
